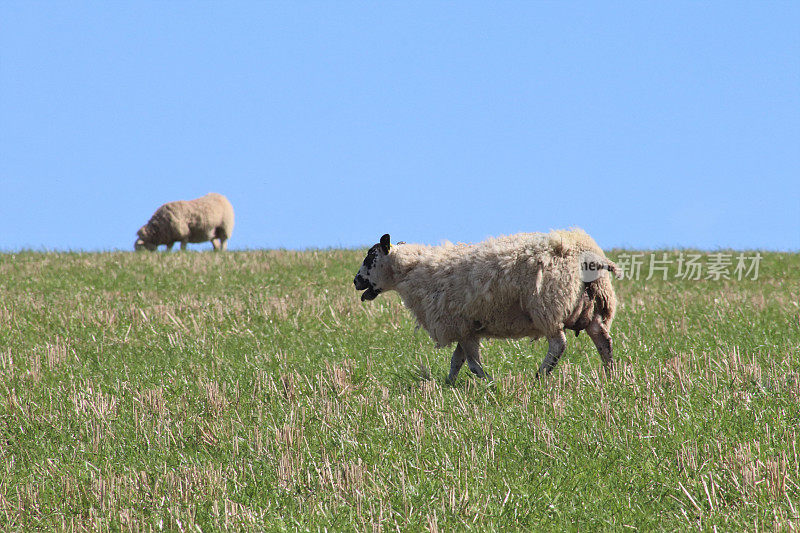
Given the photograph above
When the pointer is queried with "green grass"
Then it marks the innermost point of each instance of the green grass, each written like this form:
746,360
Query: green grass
253,390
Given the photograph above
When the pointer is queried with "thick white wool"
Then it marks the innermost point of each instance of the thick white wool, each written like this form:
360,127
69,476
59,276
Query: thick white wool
523,285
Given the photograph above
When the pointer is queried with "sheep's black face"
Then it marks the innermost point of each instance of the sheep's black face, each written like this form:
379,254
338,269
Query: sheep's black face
363,280
368,277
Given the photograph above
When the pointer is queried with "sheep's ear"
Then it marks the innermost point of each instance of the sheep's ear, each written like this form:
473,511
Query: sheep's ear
385,243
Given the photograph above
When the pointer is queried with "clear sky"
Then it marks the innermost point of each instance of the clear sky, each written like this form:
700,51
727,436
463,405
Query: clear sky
327,124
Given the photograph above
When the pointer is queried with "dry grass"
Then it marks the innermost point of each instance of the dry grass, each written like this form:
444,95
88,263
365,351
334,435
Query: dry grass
252,390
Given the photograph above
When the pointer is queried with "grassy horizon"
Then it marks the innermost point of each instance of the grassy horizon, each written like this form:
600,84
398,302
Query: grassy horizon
253,390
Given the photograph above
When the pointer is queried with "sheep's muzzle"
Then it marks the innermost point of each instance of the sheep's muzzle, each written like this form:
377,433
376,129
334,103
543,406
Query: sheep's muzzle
140,244
370,292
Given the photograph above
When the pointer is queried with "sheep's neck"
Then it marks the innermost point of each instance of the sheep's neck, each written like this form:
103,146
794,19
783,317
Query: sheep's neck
401,265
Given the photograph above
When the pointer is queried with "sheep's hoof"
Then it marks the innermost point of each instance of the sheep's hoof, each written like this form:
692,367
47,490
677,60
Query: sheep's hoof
542,377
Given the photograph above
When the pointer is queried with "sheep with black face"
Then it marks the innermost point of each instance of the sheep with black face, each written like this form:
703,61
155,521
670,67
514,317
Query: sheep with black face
524,285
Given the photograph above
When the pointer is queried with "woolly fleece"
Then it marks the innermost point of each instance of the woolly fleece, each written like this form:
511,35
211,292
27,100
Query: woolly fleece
207,218
523,285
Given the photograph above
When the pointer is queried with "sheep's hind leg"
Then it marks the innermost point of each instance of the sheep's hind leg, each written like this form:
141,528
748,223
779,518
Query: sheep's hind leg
183,245
556,346
220,243
456,363
170,245
602,341
472,349
222,238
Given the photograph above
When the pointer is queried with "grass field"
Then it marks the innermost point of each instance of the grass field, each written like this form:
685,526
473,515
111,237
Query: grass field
253,390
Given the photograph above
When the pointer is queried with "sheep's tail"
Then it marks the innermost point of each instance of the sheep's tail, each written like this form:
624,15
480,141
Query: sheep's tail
612,267
601,292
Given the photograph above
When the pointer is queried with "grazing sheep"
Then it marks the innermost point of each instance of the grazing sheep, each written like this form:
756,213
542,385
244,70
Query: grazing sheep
209,218
524,285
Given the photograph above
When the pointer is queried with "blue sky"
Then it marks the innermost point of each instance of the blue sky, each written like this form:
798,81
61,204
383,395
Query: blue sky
327,124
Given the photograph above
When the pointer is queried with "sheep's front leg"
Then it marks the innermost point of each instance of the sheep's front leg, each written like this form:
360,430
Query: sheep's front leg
170,245
556,346
602,341
456,363
472,349
183,245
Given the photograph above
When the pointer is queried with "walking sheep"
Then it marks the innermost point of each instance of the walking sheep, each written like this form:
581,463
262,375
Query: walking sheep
525,285
209,218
